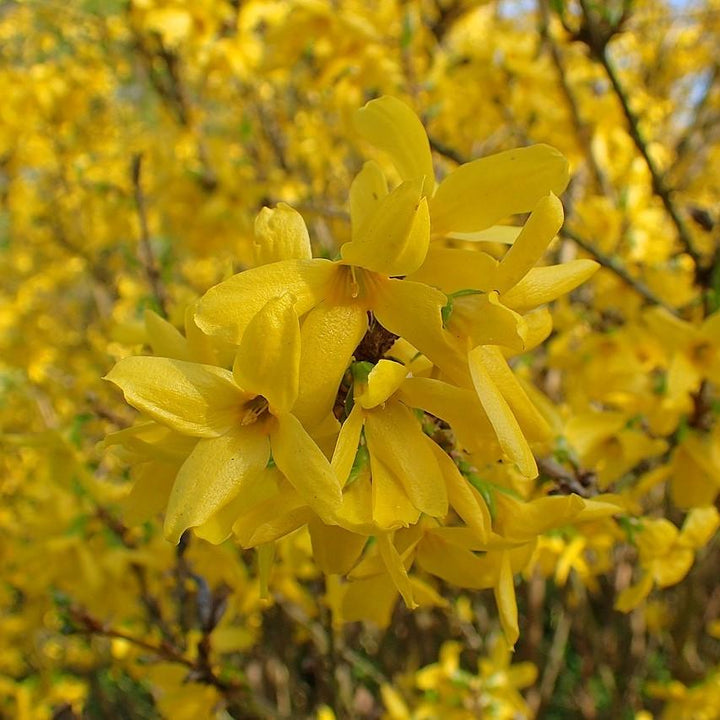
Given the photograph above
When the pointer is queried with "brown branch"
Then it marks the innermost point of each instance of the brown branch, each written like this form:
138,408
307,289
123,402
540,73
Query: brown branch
598,50
147,256
615,265
581,128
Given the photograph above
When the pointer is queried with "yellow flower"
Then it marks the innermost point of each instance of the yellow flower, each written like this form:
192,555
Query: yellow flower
240,417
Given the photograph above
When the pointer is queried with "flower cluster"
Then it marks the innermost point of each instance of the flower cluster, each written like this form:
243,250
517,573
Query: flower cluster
371,397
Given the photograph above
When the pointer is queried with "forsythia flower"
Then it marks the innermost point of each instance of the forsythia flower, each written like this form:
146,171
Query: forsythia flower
328,417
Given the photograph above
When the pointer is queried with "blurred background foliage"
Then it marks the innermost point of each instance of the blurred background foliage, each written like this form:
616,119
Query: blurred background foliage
139,139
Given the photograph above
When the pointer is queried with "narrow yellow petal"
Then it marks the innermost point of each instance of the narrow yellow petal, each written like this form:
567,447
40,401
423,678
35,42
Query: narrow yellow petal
540,228
459,567
699,527
412,310
280,234
205,348
366,191
371,599
382,382
452,269
215,472
218,527
674,332
226,309
304,465
521,520
505,599
465,500
673,567
457,406
268,360
164,338
347,445
394,435
391,507
272,519
544,284
480,193
335,550
396,237
329,335
484,320
396,569
633,595
506,427
538,326
391,126
532,423
194,399
502,234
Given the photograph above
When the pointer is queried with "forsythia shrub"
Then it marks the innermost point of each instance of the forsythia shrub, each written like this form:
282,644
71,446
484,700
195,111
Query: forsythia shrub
389,350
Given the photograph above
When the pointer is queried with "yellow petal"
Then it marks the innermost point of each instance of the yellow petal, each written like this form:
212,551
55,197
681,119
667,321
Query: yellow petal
532,423
391,507
394,435
366,191
699,527
506,427
538,326
347,445
540,228
455,565
413,311
543,284
205,348
164,338
672,331
226,309
503,234
268,360
335,550
522,520
673,567
505,599
484,320
395,239
215,472
478,194
457,406
272,519
390,125
304,465
329,335
218,527
396,569
371,599
149,494
465,500
633,595
451,269
382,382
194,399
280,234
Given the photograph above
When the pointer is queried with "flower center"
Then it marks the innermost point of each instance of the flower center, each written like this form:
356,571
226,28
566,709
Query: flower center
252,410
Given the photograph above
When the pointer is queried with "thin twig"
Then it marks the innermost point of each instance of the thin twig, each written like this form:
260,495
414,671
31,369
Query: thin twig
616,266
659,185
147,255
582,129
